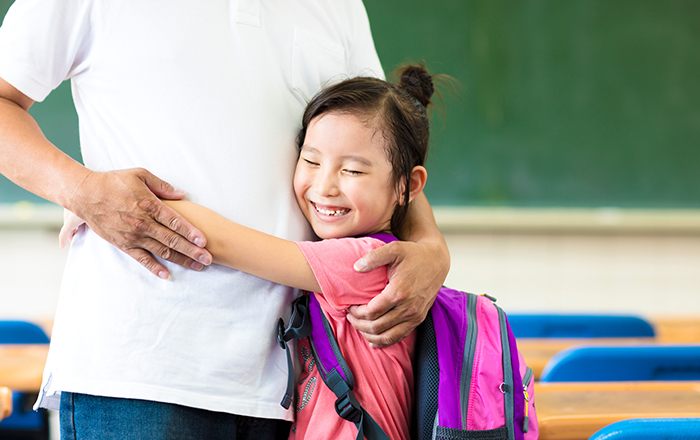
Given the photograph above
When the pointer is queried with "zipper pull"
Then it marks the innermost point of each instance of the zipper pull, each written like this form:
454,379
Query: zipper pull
526,419
489,297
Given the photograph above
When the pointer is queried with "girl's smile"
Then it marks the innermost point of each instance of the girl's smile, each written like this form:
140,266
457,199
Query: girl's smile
343,180
330,211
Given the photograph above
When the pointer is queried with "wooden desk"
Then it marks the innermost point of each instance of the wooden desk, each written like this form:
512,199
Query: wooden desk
22,366
5,402
537,352
573,411
677,329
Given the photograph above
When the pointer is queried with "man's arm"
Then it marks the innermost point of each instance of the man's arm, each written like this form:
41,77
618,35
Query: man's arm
120,206
417,269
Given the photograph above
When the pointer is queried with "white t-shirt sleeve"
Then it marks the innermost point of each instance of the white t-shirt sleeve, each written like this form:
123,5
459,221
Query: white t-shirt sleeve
44,42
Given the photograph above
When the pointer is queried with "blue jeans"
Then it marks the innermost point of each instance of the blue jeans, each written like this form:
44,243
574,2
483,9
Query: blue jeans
85,417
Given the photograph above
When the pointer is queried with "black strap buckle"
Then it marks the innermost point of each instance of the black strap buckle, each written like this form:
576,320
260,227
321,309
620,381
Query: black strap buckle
348,407
280,334
299,322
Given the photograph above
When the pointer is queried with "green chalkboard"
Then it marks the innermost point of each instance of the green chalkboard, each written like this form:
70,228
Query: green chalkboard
562,103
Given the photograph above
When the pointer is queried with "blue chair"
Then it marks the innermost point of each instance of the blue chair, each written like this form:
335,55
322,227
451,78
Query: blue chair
21,332
650,429
579,326
624,363
23,423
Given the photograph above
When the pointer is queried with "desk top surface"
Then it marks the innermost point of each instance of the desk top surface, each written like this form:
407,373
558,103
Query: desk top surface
570,411
22,366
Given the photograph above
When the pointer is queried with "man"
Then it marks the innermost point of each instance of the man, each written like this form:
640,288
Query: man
208,97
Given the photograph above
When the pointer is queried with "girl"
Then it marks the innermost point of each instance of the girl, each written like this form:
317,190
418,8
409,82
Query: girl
362,146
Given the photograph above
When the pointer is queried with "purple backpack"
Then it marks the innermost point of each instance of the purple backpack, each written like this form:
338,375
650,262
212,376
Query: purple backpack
470,380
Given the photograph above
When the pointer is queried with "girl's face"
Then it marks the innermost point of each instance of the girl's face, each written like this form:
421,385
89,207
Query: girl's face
343,178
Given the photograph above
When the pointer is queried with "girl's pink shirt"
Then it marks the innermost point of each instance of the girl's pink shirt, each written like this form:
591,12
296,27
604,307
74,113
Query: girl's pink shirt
383,376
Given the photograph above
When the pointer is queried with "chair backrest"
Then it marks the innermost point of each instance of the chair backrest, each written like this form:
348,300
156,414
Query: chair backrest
624,363
650,429
579,326
21,332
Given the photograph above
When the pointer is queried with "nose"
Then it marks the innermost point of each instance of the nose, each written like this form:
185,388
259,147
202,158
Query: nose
327,184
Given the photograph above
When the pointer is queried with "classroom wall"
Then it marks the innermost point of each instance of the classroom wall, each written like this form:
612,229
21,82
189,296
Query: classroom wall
649,274
652,275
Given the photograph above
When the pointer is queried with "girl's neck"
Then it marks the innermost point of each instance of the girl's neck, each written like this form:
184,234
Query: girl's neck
369,234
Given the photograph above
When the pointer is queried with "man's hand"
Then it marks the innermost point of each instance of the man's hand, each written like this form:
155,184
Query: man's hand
416,273
120,206
123,207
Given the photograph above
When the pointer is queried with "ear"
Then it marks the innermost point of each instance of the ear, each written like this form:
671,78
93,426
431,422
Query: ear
419,175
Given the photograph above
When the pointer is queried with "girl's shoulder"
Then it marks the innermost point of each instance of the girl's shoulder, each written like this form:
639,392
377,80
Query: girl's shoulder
344,248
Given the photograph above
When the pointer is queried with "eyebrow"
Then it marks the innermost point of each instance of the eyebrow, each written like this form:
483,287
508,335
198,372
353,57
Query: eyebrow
350,157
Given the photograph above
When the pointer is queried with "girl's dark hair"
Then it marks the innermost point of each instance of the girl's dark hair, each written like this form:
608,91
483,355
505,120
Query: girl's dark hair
398,111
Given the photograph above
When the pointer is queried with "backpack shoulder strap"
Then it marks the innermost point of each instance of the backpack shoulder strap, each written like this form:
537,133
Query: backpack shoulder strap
336,374
508,383
299,327
308,320
384,236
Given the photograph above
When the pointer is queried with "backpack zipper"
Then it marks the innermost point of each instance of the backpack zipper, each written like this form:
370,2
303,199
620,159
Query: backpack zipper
468,356
526,383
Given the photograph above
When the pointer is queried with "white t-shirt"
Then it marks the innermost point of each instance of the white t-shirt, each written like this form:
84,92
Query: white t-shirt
207,96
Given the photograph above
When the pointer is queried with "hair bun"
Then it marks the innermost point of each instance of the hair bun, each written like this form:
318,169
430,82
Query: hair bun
418,83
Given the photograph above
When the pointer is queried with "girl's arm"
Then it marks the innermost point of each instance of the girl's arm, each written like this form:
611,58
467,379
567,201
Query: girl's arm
248,250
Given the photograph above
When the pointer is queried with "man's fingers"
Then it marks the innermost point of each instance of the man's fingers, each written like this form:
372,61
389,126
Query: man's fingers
156,248
377,307
381,324
179,234
149,262
168,245
379,257
391,337
386,319
145,256
372,326
174,222
160,187
392,326
382,332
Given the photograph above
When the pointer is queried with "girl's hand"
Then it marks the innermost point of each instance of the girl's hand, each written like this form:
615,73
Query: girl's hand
416,273
71,224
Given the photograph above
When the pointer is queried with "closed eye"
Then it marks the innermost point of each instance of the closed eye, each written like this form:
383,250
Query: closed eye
353,172
311,162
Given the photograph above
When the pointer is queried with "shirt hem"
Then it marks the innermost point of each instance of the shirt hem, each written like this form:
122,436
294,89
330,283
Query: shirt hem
50,396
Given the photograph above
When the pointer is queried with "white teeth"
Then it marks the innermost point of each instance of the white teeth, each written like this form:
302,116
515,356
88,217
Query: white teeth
330,212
